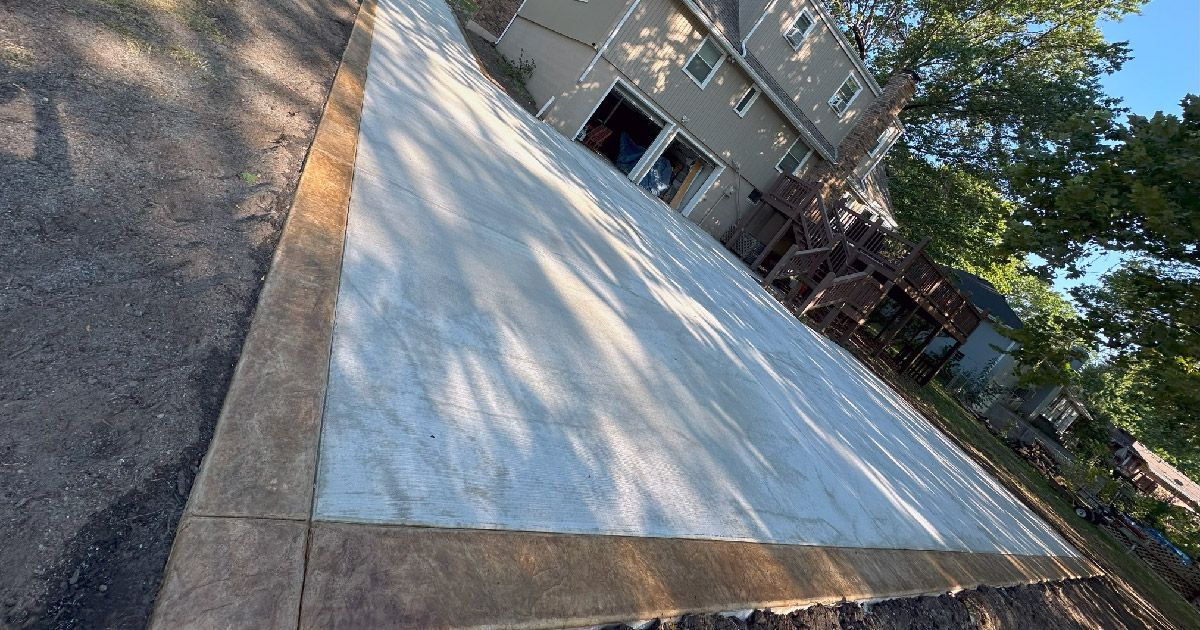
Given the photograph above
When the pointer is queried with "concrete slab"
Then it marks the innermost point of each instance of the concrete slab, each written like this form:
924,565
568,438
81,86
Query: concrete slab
525,342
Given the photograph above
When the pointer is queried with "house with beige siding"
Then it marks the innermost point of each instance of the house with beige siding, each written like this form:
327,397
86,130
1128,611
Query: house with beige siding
705,103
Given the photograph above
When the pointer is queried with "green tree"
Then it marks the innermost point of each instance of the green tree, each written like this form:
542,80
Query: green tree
1148,317
964,215
998,78
1141,195
1142,199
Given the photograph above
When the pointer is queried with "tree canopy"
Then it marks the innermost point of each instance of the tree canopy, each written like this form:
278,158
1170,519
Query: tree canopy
998,77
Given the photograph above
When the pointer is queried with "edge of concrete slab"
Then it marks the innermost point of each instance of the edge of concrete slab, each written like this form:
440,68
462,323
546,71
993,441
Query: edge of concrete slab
239,552
367,576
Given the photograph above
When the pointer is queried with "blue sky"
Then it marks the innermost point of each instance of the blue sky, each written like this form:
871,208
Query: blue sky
1165,43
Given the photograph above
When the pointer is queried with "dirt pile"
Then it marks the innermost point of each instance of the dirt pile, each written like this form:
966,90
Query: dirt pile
1090,603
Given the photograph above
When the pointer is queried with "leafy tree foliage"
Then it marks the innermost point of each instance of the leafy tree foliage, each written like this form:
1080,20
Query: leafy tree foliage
1141,195
967,219
1149,318
1000,78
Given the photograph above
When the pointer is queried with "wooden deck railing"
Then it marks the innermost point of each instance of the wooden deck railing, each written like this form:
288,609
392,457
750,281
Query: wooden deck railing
832,241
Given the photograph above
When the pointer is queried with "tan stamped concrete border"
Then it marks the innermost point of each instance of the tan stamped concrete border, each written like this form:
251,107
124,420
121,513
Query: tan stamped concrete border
248,555
363,576
239,553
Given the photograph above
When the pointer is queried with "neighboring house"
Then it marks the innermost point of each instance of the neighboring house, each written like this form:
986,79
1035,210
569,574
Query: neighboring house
704,103
1151,474
983,364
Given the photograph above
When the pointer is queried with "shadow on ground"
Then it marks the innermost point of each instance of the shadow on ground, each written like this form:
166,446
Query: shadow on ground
148,153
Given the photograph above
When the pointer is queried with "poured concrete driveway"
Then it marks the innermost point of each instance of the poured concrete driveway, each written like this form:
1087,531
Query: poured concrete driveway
551,400
524,341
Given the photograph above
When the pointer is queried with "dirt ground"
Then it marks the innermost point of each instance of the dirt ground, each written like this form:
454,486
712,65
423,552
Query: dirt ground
1082,604
149,150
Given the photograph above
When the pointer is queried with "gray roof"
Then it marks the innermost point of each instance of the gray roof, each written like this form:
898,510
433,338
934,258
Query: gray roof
724,16
733,20
985,297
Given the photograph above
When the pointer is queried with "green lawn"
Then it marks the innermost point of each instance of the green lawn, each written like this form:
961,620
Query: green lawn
1030,486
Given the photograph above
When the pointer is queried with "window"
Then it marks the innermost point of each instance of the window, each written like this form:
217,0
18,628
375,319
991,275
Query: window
744,103
800,29
794,158
704,62
840,101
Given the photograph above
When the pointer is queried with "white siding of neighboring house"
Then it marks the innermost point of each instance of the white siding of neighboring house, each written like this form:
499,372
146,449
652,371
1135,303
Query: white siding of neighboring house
984,359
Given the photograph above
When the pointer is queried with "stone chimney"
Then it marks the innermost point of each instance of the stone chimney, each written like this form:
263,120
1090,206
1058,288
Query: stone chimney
872,122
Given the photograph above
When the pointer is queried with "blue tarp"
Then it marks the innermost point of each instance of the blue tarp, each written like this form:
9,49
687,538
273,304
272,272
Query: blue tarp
657,179
628,154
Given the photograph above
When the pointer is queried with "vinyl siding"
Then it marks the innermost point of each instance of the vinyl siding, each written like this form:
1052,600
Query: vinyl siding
649,53
651,50
586,22
559,60
812,73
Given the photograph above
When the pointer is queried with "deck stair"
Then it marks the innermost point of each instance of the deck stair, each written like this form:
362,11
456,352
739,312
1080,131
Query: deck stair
833,261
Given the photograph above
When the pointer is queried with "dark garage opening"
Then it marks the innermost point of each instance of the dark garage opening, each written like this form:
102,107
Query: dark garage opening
620,130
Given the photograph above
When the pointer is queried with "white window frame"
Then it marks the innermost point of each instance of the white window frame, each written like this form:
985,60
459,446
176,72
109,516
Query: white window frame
800,164
750,103
669,131
850,101
797,43
715,68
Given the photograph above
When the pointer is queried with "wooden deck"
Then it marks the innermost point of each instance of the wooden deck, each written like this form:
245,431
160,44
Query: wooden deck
838,266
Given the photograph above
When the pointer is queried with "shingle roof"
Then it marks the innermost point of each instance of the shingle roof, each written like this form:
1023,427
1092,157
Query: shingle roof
985,296
1169,476
724,16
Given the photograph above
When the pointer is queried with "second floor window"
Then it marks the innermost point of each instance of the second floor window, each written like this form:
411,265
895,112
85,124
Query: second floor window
744,103
703,64
840,101
800,29
794,158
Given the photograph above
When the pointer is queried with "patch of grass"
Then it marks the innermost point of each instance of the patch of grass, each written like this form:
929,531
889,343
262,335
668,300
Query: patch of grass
139,20
1036,491
188,56
467,8
15,56
203,24
248,177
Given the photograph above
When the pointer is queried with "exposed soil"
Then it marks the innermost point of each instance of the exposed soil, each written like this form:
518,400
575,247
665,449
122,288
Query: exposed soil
494,15
1083,604
494,65
149,150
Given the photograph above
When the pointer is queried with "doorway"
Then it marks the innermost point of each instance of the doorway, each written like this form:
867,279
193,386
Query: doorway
648,149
